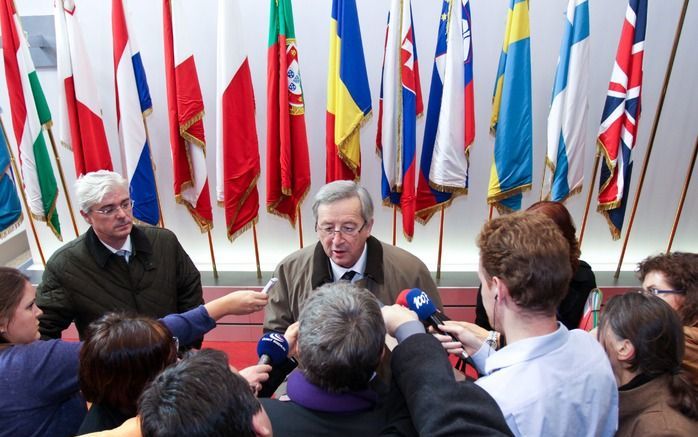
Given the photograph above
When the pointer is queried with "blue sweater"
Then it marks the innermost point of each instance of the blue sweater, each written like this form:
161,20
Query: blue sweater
39,390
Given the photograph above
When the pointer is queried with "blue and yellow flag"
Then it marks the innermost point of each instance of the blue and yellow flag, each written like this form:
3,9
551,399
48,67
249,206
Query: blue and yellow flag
511,126
348,94
10,208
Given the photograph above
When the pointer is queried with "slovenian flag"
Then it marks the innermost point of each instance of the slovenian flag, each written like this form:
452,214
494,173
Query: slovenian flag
10,208
288,162
621,114
400,105
29,112
348,95
133,104
450,125
81,126
511,171
237,152
569,110
185,109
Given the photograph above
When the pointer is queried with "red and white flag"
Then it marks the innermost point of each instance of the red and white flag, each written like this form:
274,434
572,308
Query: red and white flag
237,151
80,120
186,112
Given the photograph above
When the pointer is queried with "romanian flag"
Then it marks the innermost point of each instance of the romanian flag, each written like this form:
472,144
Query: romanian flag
186,111
569,110
621,114
348,95
82,129
237,152
400,105
133,103
10,208
450,126
511,171
288,162
29,112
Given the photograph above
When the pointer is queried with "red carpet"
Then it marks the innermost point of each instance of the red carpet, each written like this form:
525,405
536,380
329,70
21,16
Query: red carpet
241,354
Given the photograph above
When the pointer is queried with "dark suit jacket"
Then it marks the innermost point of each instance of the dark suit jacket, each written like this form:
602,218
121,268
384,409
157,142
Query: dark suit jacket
438,405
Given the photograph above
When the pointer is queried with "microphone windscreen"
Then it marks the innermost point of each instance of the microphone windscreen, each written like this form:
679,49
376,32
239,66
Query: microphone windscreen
402,297
273,345
419,302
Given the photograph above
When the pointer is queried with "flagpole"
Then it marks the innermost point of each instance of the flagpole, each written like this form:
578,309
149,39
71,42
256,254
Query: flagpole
394,224
542,182
300,226
256,249
591,192
21,191
213,257
679,209
655,123
60,173
441,240
491,210
155,180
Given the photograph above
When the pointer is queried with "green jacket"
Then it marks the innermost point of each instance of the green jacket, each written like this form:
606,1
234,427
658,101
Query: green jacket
84,280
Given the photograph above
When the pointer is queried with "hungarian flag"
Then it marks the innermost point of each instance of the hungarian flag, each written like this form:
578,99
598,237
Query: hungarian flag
186,111
512,167
29,112
621,114
400,105
237,152
348,94
569,110
288,163
10,208
450,127
81,126
133,104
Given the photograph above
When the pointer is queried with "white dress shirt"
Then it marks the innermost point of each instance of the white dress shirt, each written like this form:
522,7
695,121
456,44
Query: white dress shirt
359,267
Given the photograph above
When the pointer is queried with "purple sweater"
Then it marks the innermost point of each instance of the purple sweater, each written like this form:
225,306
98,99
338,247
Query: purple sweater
39,390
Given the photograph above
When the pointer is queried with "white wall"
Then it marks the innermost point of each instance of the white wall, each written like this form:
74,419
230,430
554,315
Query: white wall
674,141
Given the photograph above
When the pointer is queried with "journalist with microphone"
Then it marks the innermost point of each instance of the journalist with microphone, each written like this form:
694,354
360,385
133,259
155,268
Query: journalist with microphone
547,380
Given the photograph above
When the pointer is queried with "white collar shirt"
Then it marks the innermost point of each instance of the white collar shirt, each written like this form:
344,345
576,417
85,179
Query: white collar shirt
559,384
359,267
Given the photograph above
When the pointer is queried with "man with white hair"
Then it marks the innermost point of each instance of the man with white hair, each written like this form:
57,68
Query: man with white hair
115,265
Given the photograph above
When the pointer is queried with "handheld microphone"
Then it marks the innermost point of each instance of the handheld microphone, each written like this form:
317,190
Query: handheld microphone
419,302
272,349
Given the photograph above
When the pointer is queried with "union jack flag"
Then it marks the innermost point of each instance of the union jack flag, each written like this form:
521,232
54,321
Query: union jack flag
621,113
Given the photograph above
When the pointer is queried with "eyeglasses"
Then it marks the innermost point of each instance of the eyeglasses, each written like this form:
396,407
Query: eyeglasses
348,230
656,291
109,210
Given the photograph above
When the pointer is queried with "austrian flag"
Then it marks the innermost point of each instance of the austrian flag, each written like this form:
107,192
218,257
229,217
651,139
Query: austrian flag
186,112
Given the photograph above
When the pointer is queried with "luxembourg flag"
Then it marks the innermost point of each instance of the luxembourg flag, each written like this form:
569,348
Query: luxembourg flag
133,103
569,110
237,151
450,126
82,129
400,105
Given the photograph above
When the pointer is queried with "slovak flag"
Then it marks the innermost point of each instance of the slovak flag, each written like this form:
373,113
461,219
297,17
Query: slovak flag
400,105
450,127
186,111
237,152
621,114
81,125
133,104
